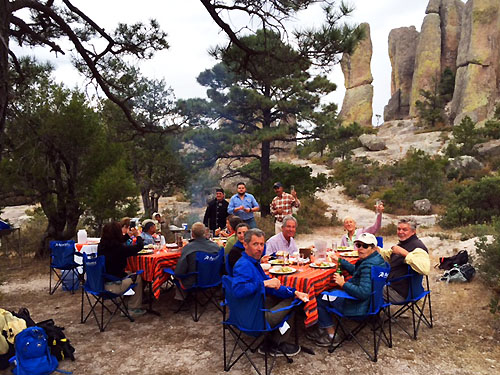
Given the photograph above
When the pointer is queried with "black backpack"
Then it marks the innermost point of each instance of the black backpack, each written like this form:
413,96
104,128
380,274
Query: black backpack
447,263
467,271
59,345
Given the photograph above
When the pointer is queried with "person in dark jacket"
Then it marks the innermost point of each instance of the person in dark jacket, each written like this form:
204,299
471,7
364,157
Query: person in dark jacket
187,261
359,286
410,251
238,247
113,247
216,212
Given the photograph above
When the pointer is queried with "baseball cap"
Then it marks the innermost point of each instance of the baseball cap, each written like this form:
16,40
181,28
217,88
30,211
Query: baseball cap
367,238
277,185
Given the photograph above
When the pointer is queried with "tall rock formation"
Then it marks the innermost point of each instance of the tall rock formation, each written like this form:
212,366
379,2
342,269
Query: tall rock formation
402,49
450,12
427,60
478,73
357,104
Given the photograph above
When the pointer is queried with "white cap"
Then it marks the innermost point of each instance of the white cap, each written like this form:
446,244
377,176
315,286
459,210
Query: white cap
367,238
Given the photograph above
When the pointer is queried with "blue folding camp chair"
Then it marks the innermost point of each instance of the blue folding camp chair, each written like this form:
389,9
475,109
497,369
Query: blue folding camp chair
63,266
95,272
417,293
248,327
208,279
374,318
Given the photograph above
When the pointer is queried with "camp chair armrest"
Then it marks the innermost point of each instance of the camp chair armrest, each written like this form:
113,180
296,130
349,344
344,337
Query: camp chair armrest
338,293
295,302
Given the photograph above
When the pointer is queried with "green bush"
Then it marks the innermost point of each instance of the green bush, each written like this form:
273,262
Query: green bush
475,203
488,265
465,137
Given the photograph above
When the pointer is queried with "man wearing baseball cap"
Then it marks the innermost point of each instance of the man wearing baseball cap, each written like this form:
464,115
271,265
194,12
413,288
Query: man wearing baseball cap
359,286
282,204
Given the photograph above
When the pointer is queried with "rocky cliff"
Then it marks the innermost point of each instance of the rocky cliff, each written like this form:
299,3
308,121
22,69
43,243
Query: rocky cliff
462,37
357,104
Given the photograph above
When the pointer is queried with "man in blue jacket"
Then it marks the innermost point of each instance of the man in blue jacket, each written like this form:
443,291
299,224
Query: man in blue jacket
249,278
359,286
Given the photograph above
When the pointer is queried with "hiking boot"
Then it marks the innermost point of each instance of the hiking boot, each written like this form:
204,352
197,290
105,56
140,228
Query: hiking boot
136,312
267,347
325,340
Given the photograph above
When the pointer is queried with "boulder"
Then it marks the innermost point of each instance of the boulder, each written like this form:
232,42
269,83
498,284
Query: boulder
428,59
477,61
422,206
357,106
402,48
364,190
356,66
451,26
372,142
433,6
464,163
488,149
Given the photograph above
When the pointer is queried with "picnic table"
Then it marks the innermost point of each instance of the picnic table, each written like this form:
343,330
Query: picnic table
153,265
312,281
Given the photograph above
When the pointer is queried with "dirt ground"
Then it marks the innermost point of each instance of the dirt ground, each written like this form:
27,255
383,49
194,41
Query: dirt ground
461,342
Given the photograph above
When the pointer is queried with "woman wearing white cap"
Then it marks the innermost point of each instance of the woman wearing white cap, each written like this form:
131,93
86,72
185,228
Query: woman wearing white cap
359,286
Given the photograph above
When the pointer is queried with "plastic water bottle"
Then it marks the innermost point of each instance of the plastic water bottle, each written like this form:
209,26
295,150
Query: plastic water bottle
82,236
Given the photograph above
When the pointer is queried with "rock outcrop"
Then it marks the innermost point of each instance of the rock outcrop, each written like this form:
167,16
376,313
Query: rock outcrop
372,142
478,72
357,104
450,12
402,49
427,60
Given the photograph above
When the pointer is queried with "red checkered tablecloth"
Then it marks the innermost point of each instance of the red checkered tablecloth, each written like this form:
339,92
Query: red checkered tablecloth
153,265
312,281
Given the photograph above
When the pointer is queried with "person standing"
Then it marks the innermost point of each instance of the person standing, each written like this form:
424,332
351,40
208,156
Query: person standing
216,212
282,204
243,204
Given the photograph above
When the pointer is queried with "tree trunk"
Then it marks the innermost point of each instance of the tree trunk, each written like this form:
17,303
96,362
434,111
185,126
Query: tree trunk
4,67
146,202
265,161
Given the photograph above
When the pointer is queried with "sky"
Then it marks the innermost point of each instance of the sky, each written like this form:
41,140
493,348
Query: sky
191,32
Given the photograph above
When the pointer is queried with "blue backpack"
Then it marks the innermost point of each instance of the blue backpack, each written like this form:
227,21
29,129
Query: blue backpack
33,354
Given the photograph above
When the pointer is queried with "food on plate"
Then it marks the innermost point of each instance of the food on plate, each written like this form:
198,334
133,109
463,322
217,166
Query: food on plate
353,253
277,261
145,251
150,246
283,270
322,264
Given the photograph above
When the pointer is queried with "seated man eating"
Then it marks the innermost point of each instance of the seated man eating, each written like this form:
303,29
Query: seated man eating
359,286
249,278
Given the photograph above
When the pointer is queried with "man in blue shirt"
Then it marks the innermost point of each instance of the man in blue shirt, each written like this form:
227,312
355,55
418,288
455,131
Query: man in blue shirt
249,278
243,205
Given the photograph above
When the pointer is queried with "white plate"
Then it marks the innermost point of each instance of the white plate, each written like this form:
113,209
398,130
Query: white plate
353,253
330,265
145,251
278,262
171,245
276,271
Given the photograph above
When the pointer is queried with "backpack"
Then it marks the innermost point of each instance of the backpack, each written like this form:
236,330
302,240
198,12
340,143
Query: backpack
10,326
447,263
467,271
24,314
59,345
32,353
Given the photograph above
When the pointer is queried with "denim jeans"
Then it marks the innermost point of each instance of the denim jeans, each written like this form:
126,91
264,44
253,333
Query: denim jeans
324,317
251,222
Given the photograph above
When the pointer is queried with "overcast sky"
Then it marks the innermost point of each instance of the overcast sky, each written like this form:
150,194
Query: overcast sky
191,32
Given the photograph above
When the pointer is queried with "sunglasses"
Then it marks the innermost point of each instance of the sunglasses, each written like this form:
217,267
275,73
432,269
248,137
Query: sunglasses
360,245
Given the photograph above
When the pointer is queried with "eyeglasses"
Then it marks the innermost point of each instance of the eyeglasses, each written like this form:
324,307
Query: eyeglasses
360,245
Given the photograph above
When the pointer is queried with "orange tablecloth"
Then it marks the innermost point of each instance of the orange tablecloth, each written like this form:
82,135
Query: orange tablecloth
312,281
153,265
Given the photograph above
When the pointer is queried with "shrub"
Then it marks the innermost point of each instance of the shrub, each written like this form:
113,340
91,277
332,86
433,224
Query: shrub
489,265
475,203
312,215
465,137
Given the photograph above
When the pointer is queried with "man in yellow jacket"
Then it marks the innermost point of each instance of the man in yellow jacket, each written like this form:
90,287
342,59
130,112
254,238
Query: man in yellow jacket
410,251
